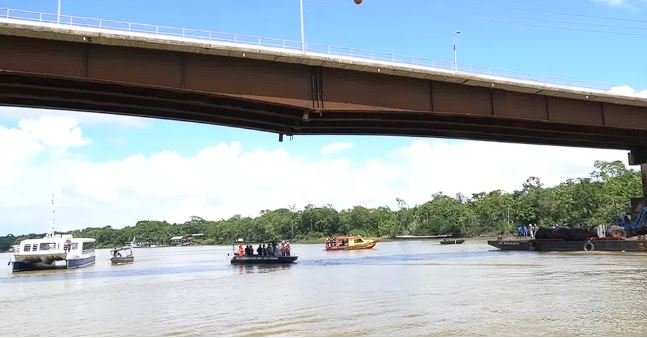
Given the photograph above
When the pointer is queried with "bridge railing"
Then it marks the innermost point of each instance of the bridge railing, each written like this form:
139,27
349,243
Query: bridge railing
309,48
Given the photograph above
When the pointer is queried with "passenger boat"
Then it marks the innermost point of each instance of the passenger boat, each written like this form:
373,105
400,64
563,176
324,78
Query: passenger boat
243,257
349,243
122,256
452,241
53,251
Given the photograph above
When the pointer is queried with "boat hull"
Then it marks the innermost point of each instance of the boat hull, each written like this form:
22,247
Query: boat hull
352,247
563,245
122,260
252,260
59,264
452,241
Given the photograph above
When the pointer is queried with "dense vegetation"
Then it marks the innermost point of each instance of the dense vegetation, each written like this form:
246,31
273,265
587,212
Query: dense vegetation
592,200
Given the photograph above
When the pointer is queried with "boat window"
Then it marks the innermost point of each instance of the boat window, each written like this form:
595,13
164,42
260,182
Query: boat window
74,246
47,246
88,247
27,248
34,247
358,240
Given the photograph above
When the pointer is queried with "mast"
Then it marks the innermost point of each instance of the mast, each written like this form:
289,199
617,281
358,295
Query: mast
51,224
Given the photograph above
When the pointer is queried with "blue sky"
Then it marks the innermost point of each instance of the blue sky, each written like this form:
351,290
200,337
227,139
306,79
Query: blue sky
596,41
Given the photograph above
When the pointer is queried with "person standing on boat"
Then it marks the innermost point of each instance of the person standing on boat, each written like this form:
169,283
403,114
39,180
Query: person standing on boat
241,252
287,249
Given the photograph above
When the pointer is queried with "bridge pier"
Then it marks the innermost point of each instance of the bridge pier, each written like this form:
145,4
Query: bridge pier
638,156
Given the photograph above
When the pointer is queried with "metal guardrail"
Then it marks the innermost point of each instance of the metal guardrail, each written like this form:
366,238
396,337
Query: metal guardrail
329,50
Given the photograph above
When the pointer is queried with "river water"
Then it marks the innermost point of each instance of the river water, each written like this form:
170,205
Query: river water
398,288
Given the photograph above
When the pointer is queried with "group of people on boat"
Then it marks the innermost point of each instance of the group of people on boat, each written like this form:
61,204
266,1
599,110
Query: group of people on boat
527,230
332,241
271,250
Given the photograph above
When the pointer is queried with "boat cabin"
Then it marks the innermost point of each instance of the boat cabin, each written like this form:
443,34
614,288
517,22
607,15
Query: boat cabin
349,243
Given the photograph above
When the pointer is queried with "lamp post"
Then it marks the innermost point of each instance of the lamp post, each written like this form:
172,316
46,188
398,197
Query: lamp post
58,12
454,46
303,37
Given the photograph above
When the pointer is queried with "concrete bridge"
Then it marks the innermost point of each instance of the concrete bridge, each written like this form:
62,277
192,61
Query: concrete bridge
275,87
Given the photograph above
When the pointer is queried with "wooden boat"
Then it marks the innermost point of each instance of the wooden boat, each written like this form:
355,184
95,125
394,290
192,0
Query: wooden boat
242,257
349,243
452,241
122,256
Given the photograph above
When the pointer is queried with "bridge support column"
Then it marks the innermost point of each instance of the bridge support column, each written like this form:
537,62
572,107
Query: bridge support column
638,156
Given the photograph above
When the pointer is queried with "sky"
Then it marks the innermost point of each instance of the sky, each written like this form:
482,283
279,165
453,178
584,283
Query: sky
115,170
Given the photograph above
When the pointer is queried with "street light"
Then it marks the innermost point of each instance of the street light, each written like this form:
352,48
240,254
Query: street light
454,45
303,37
58,12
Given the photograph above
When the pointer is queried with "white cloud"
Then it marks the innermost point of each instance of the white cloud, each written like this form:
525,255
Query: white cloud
55,131
335,147
84,118
612,3
20,146
628,91
630,4
226,178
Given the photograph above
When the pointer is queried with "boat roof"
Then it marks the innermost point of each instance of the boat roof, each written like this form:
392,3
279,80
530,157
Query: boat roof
56,239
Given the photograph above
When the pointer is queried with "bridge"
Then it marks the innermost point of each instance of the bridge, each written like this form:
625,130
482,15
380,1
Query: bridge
272,85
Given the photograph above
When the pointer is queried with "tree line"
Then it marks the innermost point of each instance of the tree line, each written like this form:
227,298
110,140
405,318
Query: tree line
595,199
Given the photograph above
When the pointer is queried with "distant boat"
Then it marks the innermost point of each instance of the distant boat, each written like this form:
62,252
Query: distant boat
133,243
452,241
122,256
349,243
413,237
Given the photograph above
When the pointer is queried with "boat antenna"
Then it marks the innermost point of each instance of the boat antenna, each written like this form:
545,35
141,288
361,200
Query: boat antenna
51,225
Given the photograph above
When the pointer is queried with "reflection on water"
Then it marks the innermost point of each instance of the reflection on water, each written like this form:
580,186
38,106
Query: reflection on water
398,288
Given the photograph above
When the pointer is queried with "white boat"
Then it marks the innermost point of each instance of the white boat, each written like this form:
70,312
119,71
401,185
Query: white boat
54,251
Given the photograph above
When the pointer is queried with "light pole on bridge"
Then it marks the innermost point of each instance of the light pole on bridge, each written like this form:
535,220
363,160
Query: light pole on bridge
58,12
454,46
303,37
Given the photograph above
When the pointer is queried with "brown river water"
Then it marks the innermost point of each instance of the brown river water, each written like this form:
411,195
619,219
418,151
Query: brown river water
399,288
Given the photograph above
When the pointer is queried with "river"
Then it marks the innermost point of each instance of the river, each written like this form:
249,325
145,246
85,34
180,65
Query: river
399,288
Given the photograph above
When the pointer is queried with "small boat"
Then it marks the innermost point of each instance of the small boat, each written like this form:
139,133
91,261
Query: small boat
419,238
54,251
452,241
349,243
122,256
242,256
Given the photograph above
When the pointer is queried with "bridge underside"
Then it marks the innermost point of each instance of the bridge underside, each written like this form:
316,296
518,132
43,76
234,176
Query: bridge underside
298,99
58,93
